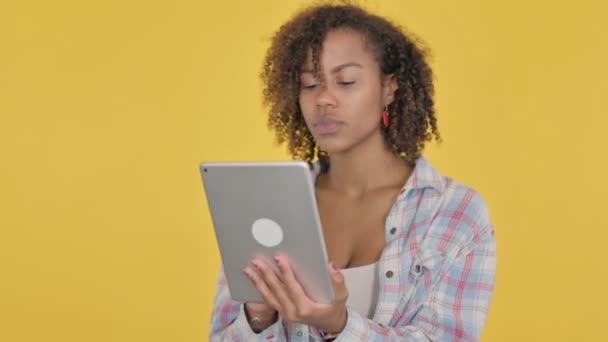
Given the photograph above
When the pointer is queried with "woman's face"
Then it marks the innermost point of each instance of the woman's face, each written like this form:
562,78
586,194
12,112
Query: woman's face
344,109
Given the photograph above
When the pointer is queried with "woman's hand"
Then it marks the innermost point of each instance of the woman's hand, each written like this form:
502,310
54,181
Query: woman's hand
284,294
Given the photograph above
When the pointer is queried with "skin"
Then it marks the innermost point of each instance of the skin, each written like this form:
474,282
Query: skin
342,109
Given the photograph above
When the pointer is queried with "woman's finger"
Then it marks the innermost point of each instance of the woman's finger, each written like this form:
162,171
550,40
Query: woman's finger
276,286
338,283
292,285
263,289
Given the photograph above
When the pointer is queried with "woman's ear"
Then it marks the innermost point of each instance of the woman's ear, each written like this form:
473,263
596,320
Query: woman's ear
389,86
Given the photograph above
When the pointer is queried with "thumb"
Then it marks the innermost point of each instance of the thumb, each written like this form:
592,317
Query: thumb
338,283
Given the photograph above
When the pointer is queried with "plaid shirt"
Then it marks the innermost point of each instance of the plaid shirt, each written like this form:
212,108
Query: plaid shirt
436,272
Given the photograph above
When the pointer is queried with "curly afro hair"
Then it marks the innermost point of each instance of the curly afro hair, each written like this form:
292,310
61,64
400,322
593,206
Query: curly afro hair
412,112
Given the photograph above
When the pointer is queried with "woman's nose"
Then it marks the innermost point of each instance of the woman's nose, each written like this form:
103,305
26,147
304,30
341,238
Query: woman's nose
325,96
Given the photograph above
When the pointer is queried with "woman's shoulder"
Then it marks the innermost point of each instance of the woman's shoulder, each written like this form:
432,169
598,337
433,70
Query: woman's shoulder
463,214
460,209
462,197
454,194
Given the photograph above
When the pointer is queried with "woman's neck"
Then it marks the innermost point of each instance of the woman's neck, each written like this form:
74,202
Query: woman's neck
364,168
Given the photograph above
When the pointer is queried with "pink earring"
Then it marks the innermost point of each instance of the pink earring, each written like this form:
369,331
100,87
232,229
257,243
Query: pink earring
386,120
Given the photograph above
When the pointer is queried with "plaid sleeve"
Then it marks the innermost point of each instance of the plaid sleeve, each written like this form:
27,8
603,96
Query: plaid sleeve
455,308
228,320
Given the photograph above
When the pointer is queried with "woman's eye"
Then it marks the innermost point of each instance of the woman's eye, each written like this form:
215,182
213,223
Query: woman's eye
346,84
309,86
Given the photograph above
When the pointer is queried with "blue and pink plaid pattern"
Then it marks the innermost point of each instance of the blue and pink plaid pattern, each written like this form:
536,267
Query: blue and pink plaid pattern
436,272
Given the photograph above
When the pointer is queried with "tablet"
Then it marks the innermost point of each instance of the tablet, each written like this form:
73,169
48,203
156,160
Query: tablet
263,209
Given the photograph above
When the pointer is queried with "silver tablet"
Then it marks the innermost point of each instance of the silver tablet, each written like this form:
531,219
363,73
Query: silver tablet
263,209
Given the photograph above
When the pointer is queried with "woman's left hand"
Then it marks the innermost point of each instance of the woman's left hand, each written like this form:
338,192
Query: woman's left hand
285,294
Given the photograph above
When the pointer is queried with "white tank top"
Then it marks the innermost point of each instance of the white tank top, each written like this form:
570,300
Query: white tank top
363,291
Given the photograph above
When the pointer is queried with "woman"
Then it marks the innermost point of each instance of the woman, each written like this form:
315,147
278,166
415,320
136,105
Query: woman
353,95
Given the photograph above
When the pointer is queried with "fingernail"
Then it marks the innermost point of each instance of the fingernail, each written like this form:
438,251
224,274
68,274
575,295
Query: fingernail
246,272
255,264
333,266
276,259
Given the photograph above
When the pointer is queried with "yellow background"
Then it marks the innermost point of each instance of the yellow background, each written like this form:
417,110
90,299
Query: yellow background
107,107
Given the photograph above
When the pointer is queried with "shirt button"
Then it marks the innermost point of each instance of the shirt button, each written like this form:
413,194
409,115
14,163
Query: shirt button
389,274
393,230
299,333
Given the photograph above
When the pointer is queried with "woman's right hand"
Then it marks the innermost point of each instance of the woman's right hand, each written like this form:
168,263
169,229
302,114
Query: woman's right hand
264,313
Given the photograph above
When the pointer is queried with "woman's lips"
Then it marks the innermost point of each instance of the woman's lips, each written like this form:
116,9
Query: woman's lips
326,126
